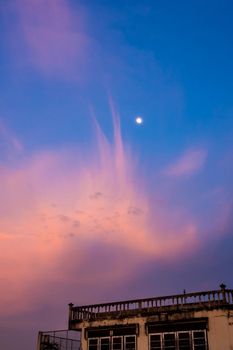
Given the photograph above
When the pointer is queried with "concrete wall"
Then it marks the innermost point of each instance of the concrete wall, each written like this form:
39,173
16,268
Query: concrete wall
220,332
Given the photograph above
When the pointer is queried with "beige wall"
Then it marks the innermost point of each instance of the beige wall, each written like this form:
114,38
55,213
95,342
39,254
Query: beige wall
220,332
142,340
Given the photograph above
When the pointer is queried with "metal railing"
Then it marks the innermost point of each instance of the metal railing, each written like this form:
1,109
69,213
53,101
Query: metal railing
58,340
211,299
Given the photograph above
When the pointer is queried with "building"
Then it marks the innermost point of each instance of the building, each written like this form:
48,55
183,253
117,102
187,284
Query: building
187,321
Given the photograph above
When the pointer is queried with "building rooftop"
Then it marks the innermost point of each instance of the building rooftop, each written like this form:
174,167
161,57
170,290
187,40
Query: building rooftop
212,299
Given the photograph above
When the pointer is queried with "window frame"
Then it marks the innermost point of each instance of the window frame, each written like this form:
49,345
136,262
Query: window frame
135,340
122,341
95,338
176,333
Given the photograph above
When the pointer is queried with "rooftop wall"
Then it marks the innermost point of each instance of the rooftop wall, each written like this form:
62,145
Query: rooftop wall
186,302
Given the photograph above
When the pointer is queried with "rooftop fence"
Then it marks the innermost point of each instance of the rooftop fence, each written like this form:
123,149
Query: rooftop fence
208,299
58,340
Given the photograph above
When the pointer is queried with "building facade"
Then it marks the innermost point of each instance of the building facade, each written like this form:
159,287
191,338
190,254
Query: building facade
188,321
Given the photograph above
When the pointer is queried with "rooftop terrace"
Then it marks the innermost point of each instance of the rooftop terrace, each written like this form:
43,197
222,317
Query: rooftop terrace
144,307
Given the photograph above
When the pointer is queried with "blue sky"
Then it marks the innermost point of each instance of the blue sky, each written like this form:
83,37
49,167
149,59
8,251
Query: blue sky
83,188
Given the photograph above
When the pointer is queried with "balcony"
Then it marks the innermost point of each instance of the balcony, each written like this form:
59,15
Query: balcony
57,340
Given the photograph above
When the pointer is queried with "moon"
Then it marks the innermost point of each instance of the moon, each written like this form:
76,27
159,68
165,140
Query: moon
138,120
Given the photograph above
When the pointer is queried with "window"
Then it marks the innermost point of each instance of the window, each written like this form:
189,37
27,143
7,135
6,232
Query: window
127,342
199,340
130,342
155,341
93,344
184,341
169,341
189,340
117,343
104,344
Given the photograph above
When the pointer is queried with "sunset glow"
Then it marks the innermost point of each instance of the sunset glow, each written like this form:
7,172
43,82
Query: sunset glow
115,155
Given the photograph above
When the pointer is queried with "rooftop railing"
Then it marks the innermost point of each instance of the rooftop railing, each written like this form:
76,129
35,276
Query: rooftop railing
211,299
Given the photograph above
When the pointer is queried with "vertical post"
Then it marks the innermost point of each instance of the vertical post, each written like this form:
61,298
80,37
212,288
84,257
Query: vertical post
70,314
39,340
223,290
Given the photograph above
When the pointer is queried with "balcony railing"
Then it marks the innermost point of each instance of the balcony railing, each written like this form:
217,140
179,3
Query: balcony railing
185,301
57,340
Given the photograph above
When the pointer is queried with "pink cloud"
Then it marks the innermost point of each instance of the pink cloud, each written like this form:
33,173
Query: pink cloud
9,143
53,33
63,216
190,162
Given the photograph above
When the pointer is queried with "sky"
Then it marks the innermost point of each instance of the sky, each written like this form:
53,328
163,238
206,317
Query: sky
95,207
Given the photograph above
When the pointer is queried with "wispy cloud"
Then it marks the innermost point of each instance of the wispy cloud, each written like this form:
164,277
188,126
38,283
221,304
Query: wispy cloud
62,214
51,36
189,163
10,145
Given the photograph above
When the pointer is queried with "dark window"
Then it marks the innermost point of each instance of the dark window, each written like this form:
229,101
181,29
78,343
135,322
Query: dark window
117,343
199,340
155,342
130,343
169,341
184,341
104,344
127,342
93,344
